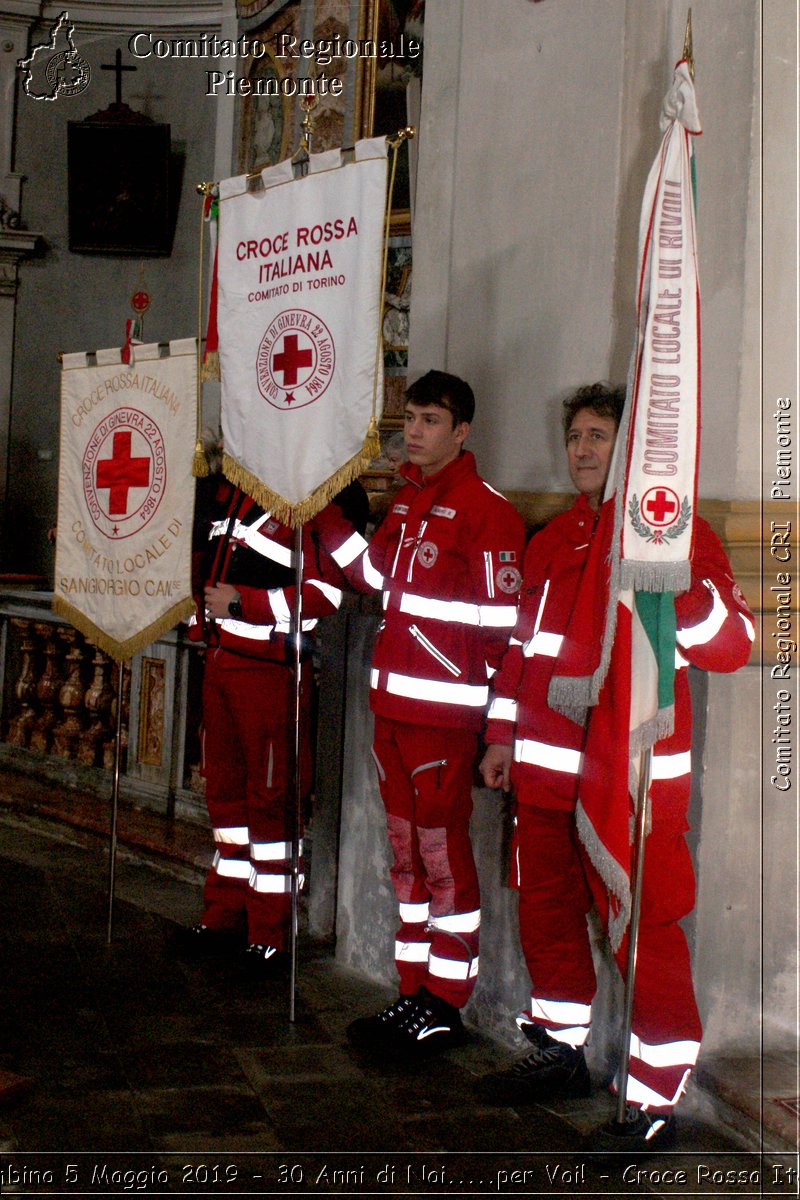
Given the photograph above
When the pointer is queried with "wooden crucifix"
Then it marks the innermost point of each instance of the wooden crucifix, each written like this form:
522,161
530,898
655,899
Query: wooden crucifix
118,68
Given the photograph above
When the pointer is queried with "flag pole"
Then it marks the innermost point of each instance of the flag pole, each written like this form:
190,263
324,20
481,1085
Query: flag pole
642,810
642,813
300,161
297,814
112,850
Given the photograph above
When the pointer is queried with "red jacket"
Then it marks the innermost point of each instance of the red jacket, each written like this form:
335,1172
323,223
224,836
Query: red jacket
255,553
714,632
447,560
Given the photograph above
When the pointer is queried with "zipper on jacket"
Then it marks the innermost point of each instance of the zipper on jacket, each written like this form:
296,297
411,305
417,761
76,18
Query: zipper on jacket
487,558
540,613
399,548
429,646
417,542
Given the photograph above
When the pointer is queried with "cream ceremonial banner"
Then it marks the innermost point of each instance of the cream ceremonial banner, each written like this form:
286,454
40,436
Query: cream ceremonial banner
300,287
664,419
126,494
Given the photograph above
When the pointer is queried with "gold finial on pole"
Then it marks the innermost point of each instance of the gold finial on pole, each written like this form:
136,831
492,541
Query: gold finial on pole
402,135
308,104
688,52
206,189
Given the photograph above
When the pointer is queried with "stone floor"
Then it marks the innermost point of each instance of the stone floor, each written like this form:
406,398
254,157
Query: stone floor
153,1075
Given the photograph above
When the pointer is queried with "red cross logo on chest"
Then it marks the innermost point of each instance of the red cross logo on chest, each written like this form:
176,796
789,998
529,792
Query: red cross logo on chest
428,553
508,580
121,472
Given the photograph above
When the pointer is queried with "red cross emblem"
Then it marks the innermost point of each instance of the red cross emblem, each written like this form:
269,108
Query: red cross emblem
660,506
295,360
125,453
428,553
508,579
121,472
290,359
140,301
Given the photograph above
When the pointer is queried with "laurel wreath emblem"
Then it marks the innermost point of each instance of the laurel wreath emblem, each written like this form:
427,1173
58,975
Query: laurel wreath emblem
657,535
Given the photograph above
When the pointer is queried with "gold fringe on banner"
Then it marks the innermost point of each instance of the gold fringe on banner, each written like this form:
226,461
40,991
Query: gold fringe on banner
200,468
297,514
121,651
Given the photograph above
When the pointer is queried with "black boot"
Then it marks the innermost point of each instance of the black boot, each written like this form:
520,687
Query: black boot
431,1026
552,1071
371,1033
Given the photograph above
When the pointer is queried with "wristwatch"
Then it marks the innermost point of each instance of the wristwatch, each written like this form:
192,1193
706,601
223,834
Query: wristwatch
235,608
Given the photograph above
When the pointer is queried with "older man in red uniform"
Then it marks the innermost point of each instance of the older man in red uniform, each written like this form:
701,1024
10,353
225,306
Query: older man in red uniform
540,751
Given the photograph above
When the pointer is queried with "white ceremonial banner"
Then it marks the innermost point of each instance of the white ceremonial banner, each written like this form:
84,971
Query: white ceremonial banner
126,494
661,481
300,291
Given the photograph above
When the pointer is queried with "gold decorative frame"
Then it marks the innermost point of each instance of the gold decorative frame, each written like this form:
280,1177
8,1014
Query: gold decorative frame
331,17
151,712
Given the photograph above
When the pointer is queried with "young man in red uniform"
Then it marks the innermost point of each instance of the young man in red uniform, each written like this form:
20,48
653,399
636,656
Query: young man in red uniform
539,751
447,559
246,590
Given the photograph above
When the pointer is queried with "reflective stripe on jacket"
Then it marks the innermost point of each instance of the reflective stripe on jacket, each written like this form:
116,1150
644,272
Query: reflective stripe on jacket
447,560
714,632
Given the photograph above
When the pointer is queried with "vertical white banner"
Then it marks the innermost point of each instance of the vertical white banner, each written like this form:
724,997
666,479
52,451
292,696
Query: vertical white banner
300,287
126,494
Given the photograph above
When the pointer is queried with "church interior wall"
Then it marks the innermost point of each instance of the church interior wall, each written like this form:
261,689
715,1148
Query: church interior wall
545,190
68,301
530,243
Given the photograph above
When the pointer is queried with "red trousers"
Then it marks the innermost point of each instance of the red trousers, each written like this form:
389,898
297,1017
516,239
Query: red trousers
248,737
557,886
425,779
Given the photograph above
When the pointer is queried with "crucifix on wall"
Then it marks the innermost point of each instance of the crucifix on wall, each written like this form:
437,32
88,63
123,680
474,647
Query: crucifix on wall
118,68
119,179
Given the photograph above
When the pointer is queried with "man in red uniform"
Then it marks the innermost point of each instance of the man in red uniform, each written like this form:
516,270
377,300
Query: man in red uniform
245,601
539,751
447,559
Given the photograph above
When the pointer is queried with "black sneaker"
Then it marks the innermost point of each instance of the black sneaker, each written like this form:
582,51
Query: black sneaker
431,1026
642,1133
552,1071
200,942
371,1032
264,962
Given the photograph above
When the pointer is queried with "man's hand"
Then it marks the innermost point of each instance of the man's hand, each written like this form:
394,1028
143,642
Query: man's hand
217,599
496,767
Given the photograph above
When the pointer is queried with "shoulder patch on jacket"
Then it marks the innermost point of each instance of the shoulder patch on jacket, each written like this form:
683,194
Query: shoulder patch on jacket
400,508
439,510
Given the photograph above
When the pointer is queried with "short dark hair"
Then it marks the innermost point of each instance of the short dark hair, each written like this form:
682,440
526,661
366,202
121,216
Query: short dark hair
445,391
603,399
